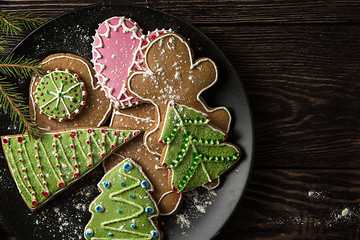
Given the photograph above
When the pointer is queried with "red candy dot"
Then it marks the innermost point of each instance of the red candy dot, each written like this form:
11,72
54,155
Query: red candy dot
19,150
73,134
43,100
45,193
41,175
35,147
76,166
125,140
89,165
89,130
136,133
76,95
36,156
57,165
103,130
116,133
87,142
70,117
56,155
39,166
20,159
33,193
29,186
61,184
89,154
5,140
175,189
103,155
20,139
70,106
75,101
164,165
71,145
61,175
161,141
112,146
56,135
102,143
76,175
73,157
44,183
25,178
23,170
34,203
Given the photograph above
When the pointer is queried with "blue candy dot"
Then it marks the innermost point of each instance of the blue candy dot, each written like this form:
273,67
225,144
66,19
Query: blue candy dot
132,226
109,234
131,196
127,166
107,184
89,233
122,184
149,210
144,184
99,208
118,211
154,234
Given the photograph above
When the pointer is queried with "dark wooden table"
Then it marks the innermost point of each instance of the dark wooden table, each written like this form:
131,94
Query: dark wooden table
300,64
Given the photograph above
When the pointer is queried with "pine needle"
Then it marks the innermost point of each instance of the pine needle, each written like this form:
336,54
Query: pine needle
13,23
11,100
19,67
3,44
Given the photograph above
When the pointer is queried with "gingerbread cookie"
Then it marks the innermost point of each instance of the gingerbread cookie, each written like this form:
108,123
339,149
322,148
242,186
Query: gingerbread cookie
173,75
195,151
118,49
97,107
44,167
141,117
124,209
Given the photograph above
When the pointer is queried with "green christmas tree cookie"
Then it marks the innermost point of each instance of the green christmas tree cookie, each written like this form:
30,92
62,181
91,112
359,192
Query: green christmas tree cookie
195,151
44,167
124,209
60,95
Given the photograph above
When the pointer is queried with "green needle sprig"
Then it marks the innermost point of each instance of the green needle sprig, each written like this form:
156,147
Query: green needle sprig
11,99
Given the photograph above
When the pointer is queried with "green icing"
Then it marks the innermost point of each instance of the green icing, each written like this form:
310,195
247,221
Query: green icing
44,167
196,151
120,211
59,95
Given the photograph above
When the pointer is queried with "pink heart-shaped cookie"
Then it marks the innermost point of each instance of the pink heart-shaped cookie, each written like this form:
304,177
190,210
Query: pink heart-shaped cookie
118,48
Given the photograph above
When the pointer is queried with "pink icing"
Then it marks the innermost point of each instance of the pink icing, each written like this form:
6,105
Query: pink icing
118,48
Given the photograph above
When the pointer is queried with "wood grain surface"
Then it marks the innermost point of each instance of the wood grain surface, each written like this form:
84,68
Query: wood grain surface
300,64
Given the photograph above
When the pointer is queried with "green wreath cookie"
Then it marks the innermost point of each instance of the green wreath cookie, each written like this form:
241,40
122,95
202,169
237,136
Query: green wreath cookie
60,95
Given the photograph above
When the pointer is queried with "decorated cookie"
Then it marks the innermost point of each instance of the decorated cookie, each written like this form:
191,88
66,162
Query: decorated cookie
118,49
173,75
167,200
46,166
124,209
142,117
60,94
97,107
195,151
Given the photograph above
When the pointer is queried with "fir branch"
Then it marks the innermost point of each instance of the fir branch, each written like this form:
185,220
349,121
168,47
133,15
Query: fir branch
11,100
14,23
9,24
19,67
28,22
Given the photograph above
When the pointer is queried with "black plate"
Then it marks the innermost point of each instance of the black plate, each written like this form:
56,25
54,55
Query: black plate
203,213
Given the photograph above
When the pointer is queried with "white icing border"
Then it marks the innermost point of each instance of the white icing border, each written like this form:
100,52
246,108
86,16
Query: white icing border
193,65
147,190
92,85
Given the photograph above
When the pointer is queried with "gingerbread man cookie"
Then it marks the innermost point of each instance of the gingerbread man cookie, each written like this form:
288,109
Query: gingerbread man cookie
171,75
